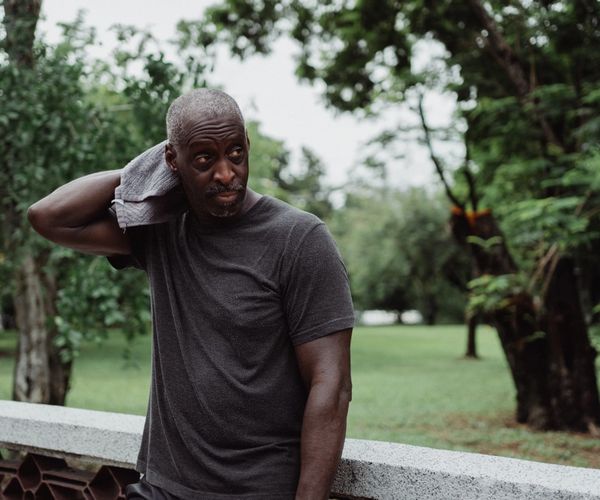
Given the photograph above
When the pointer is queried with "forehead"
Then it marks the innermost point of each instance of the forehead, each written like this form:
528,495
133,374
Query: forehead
199,129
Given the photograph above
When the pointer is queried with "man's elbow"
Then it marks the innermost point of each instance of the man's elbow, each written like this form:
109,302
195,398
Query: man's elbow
34,216
344,394
346,390
337,409
333,397
39,219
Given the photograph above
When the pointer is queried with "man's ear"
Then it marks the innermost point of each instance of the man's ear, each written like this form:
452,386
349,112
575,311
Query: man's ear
248,139
171,156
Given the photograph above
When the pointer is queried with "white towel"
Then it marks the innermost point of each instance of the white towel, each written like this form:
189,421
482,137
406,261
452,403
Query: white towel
150,192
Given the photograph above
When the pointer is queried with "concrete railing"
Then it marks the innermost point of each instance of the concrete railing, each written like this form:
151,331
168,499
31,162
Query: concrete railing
369,469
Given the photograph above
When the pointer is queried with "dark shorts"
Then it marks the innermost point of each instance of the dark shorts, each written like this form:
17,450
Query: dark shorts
143,490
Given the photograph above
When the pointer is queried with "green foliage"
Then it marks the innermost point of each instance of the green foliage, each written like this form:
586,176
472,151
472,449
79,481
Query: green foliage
399,253
48,131
489,293
305,188
268,158
486,244
271,174
94,298
140,83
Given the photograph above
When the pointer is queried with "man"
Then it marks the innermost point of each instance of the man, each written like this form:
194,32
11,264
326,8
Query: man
252,319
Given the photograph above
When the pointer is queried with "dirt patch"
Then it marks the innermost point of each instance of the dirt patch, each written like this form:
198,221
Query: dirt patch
501,435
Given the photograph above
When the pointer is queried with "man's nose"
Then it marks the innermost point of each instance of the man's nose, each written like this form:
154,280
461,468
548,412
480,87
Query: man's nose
223,172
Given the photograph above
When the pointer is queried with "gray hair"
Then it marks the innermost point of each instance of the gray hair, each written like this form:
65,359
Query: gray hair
209,103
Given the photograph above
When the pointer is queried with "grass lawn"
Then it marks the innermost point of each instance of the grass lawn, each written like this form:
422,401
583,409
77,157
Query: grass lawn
410,386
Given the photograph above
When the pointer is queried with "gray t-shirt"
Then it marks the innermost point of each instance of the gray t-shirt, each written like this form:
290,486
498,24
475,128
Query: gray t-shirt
229,303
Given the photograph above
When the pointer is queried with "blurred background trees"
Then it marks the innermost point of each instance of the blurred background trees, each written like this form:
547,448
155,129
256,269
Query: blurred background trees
400,255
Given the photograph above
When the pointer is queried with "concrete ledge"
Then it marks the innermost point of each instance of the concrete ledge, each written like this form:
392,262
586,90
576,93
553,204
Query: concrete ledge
369,469
97,436
380,470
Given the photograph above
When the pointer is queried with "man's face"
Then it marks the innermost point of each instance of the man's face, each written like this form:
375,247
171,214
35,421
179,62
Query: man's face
212,162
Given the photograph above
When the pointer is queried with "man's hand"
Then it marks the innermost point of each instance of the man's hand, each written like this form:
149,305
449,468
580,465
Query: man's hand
76,215
325,367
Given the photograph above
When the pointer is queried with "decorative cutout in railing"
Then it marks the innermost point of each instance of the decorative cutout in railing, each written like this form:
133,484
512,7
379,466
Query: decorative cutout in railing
50,478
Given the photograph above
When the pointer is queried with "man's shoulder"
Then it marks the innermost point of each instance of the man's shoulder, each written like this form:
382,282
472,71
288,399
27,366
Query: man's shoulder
293,221
286,213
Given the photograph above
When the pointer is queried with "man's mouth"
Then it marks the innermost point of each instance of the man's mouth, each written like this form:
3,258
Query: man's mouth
227,196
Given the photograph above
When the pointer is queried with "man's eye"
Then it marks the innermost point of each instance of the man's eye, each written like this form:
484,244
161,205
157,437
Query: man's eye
236,153
202,159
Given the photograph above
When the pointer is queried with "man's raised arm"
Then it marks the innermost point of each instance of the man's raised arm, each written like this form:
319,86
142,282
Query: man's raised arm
76,215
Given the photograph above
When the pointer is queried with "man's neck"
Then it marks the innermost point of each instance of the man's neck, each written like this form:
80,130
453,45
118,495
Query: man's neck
250,200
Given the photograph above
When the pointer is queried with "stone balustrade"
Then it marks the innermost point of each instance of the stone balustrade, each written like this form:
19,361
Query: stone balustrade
368,470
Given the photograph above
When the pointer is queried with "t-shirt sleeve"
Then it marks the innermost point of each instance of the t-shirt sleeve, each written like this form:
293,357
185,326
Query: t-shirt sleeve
138,236
316,298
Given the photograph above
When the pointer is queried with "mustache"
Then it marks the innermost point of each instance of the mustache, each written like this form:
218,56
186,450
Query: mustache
216,189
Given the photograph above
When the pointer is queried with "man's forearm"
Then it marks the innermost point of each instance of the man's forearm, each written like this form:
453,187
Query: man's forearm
76,203
322,441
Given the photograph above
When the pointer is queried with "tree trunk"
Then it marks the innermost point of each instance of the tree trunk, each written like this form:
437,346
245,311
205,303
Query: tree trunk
548,352
431,310
60,369
32,372
572,369
472,322
39,374
527,357
20,21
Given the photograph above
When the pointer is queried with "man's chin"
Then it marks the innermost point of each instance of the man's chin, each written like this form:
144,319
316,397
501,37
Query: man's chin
225,213
224,207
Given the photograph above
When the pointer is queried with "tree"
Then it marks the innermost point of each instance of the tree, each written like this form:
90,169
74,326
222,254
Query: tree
271,173
398,250
525,76
40,375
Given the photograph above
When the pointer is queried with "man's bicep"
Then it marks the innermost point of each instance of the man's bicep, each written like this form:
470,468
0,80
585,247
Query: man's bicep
326,359
105,237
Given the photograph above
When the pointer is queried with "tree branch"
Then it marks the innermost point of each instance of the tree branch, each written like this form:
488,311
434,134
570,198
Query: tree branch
436,161
500,49
509,61
471,182
469,175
